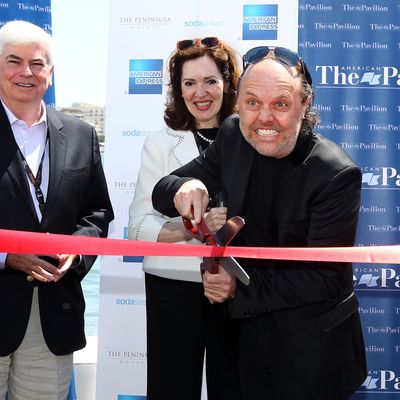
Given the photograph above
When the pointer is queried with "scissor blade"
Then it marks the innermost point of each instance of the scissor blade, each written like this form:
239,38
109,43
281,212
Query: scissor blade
229,230
234,268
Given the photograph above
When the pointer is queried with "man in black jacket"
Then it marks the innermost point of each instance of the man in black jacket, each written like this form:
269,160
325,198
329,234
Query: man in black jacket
298,333
51,180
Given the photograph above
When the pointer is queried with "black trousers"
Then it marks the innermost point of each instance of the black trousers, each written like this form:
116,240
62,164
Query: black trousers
181,324
265,368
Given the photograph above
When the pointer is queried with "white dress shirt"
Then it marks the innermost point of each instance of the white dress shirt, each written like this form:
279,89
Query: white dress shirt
32,141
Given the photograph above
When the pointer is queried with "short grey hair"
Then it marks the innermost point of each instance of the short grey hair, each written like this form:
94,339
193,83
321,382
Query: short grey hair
22,32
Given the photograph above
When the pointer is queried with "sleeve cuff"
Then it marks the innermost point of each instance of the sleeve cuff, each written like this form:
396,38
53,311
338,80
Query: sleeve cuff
3,257
77,262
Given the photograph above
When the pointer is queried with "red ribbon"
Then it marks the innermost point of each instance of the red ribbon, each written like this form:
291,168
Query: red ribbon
47,243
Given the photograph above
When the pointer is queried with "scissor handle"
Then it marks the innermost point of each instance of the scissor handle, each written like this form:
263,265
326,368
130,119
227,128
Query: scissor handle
189,225
210,264
194,229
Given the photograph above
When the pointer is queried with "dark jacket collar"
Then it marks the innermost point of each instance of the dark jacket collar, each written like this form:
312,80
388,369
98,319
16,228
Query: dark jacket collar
302,148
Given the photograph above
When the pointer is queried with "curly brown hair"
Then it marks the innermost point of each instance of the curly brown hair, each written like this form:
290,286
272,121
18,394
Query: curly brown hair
176,114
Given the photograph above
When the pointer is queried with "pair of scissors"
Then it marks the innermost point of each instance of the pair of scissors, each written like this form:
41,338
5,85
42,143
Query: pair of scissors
220,239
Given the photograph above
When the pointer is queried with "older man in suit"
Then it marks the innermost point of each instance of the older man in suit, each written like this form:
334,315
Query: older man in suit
297,327
51,180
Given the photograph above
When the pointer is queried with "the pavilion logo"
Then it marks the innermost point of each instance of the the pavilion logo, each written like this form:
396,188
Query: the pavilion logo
380,177
376,278
384,380
358,76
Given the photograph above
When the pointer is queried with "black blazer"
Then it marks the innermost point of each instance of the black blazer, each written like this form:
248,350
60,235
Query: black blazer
317,203
77,203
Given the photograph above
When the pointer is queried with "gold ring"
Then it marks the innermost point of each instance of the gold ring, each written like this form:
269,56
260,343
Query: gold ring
29,278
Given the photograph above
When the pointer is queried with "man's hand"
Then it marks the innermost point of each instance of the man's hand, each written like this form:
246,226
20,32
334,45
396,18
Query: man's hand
192,196
219,287
38,268
66,261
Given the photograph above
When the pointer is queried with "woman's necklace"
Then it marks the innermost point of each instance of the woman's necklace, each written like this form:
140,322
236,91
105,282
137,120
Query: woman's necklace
204,138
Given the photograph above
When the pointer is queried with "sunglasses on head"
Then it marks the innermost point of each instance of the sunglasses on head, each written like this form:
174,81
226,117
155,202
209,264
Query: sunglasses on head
282,54
206,42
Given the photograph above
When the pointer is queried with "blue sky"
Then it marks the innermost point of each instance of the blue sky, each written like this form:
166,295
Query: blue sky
81,37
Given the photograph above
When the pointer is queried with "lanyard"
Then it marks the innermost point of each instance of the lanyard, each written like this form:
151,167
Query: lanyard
35,180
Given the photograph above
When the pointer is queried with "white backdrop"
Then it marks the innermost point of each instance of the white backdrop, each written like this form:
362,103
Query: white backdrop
141,37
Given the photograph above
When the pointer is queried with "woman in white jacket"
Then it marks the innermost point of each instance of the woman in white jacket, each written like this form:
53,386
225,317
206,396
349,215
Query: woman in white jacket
181,323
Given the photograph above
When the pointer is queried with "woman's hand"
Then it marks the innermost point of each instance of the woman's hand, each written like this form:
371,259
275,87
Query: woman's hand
215,218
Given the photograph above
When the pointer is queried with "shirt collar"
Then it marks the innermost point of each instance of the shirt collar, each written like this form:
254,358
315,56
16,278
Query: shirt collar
12,118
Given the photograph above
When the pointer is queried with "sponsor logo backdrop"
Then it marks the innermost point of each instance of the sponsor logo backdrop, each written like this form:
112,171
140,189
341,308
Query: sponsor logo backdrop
141,37
353,51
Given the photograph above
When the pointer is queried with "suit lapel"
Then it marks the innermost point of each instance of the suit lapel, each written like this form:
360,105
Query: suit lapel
11,161
57,153
244,159
185,148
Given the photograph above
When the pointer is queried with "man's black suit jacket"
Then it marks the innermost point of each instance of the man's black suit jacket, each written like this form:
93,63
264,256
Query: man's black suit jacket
77,203
317,203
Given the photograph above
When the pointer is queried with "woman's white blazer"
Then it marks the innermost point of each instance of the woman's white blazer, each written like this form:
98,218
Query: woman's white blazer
162,152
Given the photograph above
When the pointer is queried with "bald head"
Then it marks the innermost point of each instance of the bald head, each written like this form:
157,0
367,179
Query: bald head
261,70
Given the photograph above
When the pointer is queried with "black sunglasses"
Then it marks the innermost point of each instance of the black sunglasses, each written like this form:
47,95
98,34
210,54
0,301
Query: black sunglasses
285,56
206,42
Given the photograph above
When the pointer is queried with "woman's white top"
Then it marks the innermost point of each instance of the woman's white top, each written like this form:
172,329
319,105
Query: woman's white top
162,153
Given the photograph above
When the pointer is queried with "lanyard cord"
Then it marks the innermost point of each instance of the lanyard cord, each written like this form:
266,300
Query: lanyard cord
36,181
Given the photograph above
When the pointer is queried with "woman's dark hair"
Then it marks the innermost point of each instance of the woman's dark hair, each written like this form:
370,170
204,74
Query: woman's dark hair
176,114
